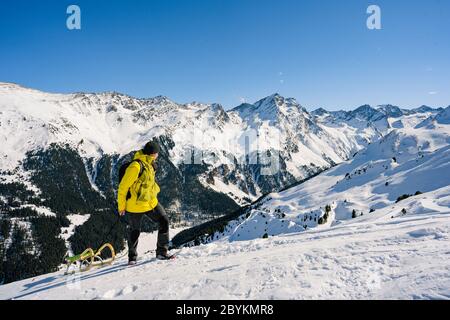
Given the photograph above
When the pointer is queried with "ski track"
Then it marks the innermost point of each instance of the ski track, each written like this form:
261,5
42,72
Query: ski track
407,257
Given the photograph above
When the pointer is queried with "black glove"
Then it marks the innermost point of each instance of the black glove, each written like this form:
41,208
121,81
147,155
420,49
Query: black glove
123,219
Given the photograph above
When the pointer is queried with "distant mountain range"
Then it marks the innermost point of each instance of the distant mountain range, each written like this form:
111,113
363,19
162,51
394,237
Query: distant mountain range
61,152
102,128
401,177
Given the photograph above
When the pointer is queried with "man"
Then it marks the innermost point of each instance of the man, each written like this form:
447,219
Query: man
137,196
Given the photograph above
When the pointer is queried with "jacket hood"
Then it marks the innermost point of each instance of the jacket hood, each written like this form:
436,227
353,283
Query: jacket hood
143,157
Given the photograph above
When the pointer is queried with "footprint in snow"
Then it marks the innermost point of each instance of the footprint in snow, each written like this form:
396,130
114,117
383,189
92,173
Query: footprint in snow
89,292
111,294
128,290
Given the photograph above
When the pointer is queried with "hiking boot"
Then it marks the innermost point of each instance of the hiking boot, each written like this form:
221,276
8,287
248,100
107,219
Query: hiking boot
132,262
165,256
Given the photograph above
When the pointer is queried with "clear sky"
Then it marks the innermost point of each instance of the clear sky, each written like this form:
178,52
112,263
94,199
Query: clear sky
227,51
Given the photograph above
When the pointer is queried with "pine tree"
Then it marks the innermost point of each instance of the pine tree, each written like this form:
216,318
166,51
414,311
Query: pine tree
5,226
50,245
19,262
2,258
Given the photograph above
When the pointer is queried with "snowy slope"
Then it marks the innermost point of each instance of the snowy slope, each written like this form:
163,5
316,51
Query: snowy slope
410,161
398,251
407,257
341,234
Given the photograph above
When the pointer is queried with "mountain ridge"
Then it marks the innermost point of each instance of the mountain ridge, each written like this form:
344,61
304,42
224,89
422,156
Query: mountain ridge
212,162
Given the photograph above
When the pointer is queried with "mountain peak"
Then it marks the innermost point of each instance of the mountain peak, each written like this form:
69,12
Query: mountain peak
275,99
367,112
364,107
9,85
159,100
319,112
391,110
269,108
217,107
424,109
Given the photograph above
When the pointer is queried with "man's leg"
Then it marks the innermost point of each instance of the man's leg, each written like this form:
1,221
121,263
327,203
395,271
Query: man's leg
134,230
159,215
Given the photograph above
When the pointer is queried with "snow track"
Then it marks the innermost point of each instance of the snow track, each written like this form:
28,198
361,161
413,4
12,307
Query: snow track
406,257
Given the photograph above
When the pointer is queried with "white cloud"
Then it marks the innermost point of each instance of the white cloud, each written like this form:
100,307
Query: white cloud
432,93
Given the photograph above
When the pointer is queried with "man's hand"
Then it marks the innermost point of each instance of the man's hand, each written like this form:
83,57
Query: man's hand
122,213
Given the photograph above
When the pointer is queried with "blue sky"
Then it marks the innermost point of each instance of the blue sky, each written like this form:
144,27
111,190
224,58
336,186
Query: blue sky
227,51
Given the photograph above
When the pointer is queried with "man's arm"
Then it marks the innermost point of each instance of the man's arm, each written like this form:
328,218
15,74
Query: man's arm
130,177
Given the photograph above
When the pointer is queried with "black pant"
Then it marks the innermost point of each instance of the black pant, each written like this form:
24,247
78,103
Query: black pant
157,215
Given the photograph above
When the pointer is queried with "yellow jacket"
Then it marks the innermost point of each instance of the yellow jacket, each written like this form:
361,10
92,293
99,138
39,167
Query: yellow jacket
143,190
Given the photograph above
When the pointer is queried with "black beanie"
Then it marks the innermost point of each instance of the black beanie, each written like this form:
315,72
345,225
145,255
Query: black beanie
151,148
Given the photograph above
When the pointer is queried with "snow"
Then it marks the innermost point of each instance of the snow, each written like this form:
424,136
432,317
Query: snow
340,235
404,162
75,220
147,241
233,191
44,211
67,232
112,123
406,257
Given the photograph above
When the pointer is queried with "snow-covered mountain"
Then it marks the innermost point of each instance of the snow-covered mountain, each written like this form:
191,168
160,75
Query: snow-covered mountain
100,129
60,154
405,173
96,125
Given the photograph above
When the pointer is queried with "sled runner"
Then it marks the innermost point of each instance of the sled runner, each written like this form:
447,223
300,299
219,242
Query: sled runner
89,259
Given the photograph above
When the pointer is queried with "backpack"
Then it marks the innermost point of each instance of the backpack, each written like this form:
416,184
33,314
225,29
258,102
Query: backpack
123,168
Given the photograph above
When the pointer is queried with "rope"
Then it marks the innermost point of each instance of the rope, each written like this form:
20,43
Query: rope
110,230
